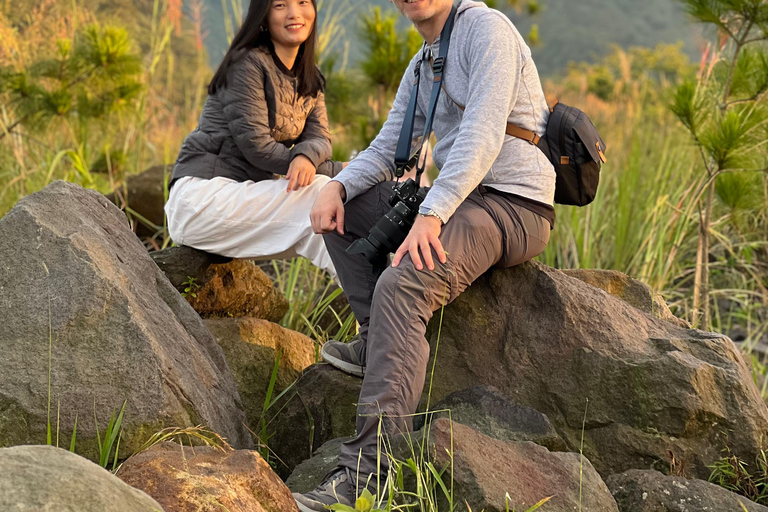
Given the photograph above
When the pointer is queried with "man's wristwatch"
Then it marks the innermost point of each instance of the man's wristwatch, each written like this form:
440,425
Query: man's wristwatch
431,213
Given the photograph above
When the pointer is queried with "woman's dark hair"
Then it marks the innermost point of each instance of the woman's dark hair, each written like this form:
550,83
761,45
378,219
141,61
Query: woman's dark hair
253,34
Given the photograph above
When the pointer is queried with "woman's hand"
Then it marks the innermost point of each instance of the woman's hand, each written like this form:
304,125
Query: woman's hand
301,173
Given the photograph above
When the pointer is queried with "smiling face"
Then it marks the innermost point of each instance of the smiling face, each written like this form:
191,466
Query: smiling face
419,11
290,22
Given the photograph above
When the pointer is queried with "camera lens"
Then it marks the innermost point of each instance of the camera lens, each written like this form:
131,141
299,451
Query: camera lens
390,232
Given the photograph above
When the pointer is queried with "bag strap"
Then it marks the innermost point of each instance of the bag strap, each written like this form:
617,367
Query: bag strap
521,133
403,152
512,129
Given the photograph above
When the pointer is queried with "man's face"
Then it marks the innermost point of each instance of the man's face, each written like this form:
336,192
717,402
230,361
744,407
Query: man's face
421,10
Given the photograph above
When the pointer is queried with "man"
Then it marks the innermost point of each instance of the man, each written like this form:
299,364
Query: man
490,206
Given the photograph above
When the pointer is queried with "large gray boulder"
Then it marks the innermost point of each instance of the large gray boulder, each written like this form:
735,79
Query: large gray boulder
498,476
487,410
49,479
83,302
633,292
310,473
648,387
651,491
321,406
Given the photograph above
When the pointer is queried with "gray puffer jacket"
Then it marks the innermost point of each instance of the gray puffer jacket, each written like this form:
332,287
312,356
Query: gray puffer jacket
255,126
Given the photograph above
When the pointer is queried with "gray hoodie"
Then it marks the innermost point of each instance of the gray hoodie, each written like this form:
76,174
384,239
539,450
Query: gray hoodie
490,71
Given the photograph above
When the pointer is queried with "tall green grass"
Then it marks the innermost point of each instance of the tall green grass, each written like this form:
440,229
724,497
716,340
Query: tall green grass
123,119
644,219
641,220
313,299
112,436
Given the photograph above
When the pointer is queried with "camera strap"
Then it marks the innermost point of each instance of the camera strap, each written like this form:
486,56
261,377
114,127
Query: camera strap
403,153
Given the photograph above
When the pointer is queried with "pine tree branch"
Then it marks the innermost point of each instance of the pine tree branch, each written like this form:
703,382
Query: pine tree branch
756,39
69,85
82,77
708,162
9,128
756,98
732,70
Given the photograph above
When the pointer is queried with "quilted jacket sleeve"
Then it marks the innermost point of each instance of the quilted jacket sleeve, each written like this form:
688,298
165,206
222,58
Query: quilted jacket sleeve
315,140
245,109
329,168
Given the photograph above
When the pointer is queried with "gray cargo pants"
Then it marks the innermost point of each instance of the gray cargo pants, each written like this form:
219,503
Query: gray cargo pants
394,305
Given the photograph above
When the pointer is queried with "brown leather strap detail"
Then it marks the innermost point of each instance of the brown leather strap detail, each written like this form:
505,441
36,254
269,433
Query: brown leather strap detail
521,133
600,152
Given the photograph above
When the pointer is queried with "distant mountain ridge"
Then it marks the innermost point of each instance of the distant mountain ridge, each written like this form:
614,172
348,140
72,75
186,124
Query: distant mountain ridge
570,30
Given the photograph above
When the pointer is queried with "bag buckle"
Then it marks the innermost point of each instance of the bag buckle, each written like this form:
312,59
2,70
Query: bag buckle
438,65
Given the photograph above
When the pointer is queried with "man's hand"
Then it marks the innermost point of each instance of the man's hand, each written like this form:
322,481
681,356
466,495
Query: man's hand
327,213
423,234
301,173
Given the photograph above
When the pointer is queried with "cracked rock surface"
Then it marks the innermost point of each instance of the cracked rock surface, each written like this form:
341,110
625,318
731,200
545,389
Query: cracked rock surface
81,298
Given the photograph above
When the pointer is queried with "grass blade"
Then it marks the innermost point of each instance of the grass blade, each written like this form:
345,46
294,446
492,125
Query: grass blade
74,435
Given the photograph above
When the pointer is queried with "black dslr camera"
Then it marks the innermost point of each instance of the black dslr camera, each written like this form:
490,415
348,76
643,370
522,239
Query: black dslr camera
387,235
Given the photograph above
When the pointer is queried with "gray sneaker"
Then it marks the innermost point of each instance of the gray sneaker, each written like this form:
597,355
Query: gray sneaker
337,487
344,356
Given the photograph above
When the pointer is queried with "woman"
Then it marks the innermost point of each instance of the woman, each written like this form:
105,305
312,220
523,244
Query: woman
265,115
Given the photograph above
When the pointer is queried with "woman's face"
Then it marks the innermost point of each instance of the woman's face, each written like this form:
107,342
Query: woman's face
291,21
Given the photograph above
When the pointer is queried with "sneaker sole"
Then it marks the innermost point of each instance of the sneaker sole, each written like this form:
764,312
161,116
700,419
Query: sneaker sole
302,508
349,368
299,499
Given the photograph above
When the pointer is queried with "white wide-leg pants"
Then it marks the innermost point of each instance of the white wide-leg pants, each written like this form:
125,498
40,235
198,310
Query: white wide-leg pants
247,220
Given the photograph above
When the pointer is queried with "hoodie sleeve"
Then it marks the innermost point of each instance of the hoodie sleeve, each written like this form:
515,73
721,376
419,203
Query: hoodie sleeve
494,61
